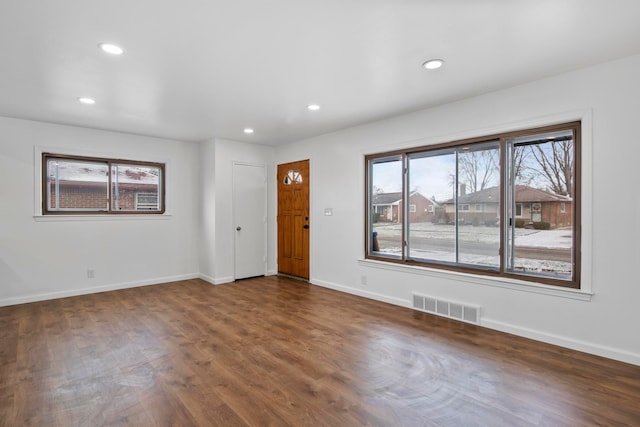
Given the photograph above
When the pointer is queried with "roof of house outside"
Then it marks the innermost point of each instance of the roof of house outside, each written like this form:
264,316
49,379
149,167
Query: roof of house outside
387,198
524,194
395,198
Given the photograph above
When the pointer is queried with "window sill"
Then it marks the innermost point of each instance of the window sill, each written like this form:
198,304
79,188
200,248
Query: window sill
101,217
500,282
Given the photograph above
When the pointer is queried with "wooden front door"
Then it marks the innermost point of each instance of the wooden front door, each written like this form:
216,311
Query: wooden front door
293,218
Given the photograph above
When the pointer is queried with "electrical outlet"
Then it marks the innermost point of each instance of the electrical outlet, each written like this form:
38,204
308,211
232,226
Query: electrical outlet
91,274
363,280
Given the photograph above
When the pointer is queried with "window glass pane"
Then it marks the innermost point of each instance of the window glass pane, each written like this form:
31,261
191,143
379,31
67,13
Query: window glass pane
76,185
431,227
293,177
386,206
541,238
135,188
478,202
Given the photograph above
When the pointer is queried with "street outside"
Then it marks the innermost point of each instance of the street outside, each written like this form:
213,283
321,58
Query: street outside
546,251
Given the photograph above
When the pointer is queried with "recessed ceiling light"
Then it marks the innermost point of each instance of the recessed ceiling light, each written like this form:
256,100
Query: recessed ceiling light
87,101
248,130
111,48
313,107
433,64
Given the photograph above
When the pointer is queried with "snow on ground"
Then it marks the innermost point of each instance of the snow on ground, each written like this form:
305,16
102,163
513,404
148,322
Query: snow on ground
554,239
545,267
545,239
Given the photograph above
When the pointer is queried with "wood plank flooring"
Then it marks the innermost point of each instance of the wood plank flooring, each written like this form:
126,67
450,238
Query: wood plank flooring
278,352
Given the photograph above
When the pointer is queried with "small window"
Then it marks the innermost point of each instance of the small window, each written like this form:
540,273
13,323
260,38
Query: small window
73,185
430,208
563,207
293,177
412,208
479,207
518,209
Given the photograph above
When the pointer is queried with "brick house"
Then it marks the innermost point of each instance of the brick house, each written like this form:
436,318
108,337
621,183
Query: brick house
532,205
386,207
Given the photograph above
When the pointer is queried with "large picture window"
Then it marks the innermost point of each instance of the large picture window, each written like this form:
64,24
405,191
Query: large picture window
503,205
80,185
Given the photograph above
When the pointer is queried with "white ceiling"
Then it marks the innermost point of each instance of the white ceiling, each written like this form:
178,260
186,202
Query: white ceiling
197,69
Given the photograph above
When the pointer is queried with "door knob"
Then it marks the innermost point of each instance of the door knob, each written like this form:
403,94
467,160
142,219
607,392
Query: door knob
238,228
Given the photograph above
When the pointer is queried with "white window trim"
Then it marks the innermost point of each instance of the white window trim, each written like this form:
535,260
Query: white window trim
586,196
39,216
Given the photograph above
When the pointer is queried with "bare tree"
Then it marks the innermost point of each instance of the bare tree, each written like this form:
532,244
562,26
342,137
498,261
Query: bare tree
556,165
477,168
520,163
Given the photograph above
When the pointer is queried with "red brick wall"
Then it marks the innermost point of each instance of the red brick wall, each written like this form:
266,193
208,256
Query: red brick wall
552,214
94,195
80,196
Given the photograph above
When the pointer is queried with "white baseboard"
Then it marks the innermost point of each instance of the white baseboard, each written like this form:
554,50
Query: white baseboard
359,292
595,349
207,278
93,290
216,281
591,348
586,347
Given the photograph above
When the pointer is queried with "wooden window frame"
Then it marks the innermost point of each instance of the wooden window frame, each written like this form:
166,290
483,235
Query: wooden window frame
109,162
574,282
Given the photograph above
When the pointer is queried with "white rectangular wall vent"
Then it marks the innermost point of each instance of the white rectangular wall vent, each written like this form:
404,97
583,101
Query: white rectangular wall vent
418,302
453,310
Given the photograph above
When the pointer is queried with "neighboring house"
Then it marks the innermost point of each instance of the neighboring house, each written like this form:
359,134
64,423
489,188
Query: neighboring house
532,205
386,207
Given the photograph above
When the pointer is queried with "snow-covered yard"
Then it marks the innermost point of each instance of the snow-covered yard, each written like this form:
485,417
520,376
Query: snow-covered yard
478,245
553,239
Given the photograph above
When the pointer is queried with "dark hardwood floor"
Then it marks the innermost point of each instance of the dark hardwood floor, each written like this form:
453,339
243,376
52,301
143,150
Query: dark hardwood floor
276,351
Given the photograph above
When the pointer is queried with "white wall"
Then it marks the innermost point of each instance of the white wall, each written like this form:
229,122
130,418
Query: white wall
43,258
217,238
207,207
608,97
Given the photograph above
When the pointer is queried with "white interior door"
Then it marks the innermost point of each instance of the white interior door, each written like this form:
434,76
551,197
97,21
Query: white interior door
250,219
